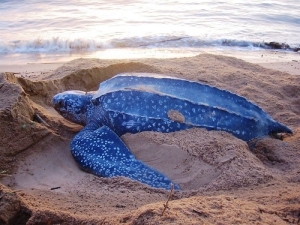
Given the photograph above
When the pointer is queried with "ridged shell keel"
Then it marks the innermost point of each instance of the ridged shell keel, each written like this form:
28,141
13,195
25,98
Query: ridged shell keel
135,111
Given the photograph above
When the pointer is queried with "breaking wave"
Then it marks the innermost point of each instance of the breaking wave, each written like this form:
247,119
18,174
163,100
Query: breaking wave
57,44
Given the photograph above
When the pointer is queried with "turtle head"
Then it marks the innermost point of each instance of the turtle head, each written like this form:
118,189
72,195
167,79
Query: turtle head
75,106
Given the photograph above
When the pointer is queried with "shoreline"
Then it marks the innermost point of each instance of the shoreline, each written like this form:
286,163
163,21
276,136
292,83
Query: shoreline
288,62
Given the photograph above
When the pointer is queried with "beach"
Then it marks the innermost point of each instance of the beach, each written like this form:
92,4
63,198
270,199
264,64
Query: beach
222,180
248,48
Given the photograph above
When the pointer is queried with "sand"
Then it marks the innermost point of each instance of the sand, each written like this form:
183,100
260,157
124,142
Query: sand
222,180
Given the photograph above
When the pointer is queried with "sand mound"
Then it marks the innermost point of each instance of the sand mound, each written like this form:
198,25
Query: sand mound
228,182
198,158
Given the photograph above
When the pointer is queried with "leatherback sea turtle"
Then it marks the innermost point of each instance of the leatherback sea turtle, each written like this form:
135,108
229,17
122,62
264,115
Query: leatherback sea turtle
134,102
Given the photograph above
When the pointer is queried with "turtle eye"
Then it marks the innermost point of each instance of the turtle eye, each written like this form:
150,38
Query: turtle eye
61,104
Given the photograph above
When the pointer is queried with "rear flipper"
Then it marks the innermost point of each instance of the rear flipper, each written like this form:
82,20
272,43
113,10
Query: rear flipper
102,152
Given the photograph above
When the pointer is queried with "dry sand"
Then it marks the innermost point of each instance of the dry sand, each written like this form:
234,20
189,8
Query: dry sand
223,182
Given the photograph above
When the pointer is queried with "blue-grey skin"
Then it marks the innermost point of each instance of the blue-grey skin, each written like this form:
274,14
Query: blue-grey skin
132,103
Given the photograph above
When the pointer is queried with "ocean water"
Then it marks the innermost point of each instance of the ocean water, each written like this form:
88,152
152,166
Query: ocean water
59,30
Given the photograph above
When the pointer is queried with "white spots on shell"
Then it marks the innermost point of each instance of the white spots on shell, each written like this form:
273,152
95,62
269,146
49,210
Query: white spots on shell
128,124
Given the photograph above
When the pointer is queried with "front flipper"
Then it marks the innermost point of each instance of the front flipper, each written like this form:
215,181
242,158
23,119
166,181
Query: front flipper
101,152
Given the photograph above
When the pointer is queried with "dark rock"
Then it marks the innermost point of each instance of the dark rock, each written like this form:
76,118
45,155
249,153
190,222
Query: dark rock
277,45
